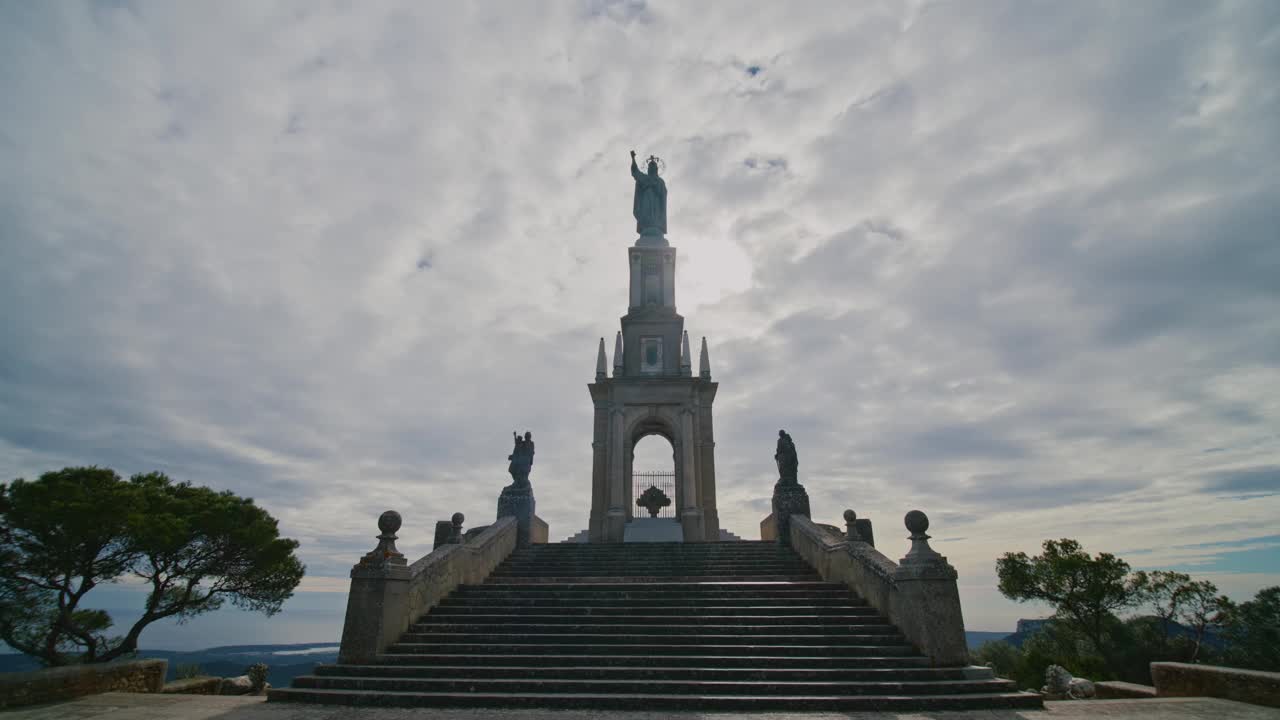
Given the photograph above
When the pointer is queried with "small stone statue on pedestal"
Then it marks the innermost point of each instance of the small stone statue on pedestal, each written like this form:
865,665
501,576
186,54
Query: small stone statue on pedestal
516,499
788,463
789,496
521,458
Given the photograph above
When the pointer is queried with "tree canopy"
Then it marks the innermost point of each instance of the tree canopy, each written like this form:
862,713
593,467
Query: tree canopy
77,528
1172,617
1084,590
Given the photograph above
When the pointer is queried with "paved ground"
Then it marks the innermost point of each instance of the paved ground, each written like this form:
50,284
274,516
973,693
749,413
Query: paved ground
127,706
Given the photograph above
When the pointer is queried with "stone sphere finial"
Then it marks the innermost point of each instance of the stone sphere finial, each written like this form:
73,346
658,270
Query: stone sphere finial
917,522
457,519
850,516
389,522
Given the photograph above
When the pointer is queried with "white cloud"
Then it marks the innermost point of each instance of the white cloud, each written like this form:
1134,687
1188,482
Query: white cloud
1013,265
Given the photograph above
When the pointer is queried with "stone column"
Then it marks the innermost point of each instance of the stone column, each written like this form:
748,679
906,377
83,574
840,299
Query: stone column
378,602
616,520
707,474
691,515
637,291
669,278
599,473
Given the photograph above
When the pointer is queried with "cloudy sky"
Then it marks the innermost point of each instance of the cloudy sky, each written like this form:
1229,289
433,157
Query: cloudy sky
1012,263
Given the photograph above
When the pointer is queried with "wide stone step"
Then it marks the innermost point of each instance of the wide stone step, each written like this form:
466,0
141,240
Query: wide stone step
657,571
646,579
630,567
672,611
669,686
661,701
718,546
592,628
693,637
650,648
664,660
867,619
537,592
650,674
802,586
658,602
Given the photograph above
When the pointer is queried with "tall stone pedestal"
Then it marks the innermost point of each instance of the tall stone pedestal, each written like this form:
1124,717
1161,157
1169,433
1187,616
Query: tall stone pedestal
379,597
517,501
789,498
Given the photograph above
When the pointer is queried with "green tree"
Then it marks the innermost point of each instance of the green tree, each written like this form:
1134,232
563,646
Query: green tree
1085,591
74,529
1199,606
1160,590
1252,629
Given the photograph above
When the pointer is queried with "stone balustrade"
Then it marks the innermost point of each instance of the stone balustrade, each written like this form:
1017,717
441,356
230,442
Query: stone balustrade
918,594
387,594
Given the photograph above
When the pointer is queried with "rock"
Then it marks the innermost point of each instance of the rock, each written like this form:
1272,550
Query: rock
236,686
1057,680
1081,689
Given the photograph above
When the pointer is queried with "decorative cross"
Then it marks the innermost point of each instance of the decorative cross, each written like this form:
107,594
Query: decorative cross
653,500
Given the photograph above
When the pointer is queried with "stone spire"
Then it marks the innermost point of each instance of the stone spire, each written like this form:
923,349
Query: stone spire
686,362
704,361
617,356
602,363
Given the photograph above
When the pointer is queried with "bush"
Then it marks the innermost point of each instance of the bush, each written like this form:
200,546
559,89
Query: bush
257,673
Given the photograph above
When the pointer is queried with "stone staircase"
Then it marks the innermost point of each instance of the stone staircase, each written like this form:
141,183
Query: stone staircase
655,626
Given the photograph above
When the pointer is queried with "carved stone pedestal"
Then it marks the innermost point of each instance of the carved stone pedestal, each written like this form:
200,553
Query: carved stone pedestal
518,502
789,498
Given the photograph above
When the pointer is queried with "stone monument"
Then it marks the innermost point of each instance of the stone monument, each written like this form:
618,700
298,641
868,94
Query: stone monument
649,203
789,496
653,390
516,499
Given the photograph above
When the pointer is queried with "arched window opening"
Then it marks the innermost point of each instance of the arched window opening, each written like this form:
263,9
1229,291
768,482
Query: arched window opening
653,465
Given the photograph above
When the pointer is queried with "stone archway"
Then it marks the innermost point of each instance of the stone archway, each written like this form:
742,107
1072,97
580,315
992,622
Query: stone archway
633,484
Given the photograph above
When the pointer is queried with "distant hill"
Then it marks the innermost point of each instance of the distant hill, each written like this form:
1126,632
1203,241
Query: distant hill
285,661
975,638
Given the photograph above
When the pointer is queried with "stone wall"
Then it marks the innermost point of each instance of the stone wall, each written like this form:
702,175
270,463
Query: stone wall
1173,679
385,599
539,531
72,681
925,609
200,685
769,529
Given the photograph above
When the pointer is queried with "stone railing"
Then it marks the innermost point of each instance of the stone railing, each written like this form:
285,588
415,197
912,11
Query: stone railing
917,594
387,594
72,681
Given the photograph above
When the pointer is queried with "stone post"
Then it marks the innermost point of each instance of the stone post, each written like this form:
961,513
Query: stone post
378,603
517,502
788,499
930,598
851,527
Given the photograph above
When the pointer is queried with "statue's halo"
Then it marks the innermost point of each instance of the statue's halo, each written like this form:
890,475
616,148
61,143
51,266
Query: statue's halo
662,166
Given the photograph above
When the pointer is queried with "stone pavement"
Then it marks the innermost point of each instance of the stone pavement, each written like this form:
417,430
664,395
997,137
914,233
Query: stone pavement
129,706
